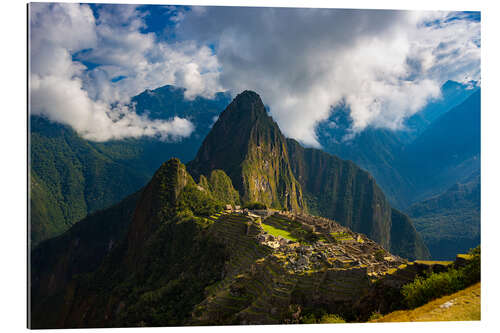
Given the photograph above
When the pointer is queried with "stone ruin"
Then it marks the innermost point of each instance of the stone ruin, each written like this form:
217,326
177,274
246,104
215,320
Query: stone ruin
355,250
263,212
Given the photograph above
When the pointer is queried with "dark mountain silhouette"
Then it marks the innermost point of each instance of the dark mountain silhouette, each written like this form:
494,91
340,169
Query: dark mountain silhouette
448,151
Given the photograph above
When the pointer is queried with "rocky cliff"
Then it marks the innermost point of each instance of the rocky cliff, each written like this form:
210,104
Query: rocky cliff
265,166
248,145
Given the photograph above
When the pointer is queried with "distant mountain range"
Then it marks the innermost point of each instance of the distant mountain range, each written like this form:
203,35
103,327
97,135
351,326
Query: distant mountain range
452,94
395,158
450,222
439,151
447,152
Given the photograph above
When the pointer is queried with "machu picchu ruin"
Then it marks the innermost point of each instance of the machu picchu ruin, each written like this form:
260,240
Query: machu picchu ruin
302,260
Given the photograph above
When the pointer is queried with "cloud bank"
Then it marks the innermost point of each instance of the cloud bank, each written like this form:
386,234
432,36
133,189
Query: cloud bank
385,65
81,65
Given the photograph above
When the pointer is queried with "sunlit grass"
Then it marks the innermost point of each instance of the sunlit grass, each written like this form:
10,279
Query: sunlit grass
434,262
465,305
278,232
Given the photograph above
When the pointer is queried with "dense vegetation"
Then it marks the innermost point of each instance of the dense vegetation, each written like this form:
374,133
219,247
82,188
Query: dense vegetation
169,216
78,251
321,318
450,222
425,289
160,268
255,205
222,188
266,167
162,294
198,202
245,142
71,177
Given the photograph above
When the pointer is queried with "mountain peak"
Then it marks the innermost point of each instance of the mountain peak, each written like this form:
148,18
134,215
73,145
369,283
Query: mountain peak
248,95
246,106
248,145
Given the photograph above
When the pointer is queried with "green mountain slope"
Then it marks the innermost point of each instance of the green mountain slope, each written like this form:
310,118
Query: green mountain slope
176,259
248,145
342,191
71,176
138,242
450,222
265,166
78,251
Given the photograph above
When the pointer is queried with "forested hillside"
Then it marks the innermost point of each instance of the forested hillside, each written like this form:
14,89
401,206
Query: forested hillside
71,176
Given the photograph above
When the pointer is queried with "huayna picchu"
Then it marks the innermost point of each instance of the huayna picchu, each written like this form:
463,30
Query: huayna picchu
265,166
255,230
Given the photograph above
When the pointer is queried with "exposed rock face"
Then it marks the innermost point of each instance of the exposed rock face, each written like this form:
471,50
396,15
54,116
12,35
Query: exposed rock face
265,166
406,241
340,190
248,145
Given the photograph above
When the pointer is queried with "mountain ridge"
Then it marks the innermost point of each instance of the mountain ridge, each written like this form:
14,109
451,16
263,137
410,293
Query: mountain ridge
450,222
71,177
181,263
248,145
383,152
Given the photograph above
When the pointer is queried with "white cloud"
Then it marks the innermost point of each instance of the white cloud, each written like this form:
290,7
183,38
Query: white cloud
65,90
386,65
145,62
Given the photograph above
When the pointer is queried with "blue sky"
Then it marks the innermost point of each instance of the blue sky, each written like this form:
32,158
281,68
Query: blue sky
385,64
